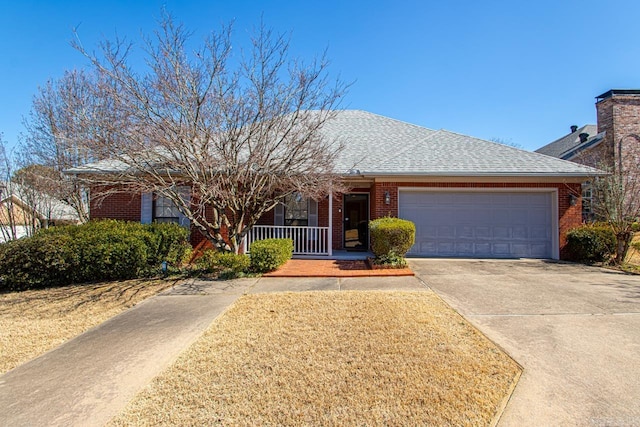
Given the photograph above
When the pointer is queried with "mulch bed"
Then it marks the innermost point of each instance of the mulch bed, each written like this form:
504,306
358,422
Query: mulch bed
334,268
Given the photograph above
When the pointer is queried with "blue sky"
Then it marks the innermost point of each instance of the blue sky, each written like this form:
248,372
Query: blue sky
519,71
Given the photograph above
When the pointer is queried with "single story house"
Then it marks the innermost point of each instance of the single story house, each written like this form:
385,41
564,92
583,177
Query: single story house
19,218
468,197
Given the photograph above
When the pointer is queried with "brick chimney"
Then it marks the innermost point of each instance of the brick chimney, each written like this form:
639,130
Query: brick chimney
618,113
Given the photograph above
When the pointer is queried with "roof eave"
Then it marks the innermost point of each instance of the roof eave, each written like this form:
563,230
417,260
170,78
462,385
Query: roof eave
484,174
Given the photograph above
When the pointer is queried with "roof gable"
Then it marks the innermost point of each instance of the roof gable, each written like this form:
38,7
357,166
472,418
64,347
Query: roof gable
567,146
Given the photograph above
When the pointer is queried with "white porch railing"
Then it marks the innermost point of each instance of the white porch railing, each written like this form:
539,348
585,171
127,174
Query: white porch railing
306,240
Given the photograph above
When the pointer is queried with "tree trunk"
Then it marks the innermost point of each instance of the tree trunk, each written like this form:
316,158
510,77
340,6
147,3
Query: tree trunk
622,239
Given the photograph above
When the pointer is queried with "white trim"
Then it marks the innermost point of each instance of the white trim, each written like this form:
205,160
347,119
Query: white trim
330,237
306,240
146,208
555,220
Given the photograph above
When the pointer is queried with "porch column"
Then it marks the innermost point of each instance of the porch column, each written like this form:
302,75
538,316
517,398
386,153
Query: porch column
330,237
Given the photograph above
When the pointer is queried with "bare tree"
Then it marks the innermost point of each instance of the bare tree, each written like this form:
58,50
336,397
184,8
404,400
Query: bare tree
243,131
19,207
68,123
616,195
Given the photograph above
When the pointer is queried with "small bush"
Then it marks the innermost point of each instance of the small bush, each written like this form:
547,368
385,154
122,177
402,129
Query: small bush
228,265
635,227
591,243
269,254
170,243
391,260
391,236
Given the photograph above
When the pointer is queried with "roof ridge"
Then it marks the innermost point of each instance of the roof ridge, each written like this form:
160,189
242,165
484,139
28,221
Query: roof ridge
390,118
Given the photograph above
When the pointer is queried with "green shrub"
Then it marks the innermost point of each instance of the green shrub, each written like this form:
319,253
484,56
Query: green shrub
170,243
390,260
391,236
37,262
591,243
228,265
236,262
98,250
269,254
635,227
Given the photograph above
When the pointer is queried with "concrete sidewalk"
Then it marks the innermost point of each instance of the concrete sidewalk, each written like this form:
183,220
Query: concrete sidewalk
89,379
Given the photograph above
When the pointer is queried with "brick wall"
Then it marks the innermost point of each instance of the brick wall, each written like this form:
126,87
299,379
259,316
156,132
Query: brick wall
619,116
122,206
126,206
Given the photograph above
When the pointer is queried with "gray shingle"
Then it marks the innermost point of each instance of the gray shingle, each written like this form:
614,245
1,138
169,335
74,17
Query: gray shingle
561,146
378,145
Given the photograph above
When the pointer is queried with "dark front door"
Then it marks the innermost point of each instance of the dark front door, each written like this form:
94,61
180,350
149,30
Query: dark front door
356,222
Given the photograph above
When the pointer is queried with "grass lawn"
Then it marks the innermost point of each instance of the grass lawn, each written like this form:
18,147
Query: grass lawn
33,322
332,358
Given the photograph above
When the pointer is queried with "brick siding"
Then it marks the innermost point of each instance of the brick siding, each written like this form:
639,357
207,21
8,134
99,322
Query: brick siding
126,206
619,116
122,206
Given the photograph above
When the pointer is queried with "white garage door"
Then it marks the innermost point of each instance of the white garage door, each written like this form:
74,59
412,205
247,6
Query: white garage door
479,224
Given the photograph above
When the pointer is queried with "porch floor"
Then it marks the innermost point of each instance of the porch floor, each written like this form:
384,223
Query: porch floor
334,268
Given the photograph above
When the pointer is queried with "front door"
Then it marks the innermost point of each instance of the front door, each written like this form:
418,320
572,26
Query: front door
356,222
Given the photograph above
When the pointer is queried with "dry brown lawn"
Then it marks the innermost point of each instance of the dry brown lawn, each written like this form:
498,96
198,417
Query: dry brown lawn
633,257
332,358
33,322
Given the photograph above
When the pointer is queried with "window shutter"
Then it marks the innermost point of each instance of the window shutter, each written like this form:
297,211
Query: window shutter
313,213
146,208
185,193
278,214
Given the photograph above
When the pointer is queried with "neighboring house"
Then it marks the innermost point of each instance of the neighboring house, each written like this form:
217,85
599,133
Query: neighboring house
614,142
20,218
468,197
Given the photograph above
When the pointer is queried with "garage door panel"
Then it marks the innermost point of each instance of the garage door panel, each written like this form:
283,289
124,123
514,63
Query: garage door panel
479,224
482,250
465,232
520,232
483,232
446,232
539,251
501,232
464,249
540,233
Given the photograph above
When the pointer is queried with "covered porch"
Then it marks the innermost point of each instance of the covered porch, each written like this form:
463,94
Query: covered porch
335,227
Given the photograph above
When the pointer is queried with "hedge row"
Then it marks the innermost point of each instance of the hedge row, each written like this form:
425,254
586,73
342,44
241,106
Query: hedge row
266,255
102,250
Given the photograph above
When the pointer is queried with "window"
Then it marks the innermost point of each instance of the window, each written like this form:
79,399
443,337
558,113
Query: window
297,211
164,210
587,202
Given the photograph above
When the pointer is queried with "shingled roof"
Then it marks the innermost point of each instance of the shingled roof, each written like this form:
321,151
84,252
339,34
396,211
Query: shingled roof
378,145
569,145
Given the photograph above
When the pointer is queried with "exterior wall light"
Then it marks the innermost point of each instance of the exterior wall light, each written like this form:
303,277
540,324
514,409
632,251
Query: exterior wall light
572,199
387,198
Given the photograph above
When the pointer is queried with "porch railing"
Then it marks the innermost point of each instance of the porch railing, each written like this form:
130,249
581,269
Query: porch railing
306,240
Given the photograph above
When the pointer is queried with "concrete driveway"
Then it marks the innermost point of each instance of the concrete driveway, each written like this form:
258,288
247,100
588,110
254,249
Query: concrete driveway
575,329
